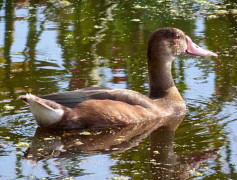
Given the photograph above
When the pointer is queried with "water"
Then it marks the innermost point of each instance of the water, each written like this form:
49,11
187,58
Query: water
53,46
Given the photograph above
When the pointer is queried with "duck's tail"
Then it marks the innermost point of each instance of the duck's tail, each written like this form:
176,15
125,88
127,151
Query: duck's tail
46,112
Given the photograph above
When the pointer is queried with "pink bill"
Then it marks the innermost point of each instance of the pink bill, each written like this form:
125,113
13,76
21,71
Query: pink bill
194,49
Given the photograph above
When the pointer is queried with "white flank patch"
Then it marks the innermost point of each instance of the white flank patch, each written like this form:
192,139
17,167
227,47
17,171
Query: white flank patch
44,114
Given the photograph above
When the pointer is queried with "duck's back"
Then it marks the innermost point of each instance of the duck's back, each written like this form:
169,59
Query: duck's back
72,98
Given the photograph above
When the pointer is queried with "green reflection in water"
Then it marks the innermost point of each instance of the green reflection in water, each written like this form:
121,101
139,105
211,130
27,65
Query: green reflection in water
104,44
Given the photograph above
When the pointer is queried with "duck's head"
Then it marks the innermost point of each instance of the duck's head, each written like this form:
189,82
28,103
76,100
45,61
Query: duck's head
168,43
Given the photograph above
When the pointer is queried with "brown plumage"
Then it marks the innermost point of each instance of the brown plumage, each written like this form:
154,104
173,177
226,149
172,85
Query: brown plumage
99,107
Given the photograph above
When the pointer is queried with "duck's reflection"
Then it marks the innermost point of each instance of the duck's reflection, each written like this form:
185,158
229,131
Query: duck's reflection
48,143
164,162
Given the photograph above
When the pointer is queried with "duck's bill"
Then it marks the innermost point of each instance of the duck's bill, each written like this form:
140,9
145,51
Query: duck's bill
194,49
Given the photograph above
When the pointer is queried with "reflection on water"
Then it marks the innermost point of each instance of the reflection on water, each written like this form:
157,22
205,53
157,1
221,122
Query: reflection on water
109,140
163,162
52,46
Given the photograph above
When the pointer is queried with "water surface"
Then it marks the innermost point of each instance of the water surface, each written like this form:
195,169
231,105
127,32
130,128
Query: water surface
53,46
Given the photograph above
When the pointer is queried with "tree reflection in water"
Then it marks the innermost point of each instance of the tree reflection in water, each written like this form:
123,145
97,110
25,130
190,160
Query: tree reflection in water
48,47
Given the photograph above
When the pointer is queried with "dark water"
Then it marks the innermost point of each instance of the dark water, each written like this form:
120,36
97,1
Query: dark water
53,46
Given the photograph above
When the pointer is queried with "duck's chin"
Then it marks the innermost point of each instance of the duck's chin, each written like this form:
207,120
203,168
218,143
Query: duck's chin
171,58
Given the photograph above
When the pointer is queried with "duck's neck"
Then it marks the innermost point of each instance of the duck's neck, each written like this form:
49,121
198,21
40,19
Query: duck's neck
161,80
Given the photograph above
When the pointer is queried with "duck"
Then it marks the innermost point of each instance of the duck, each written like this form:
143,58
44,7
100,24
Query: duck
98,107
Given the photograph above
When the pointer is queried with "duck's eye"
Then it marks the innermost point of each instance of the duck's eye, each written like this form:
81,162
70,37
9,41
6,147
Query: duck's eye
176,36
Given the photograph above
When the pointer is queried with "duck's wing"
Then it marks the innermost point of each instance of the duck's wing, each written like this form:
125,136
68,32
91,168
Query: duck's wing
72,98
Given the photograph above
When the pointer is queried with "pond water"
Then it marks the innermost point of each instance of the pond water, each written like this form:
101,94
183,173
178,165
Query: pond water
53,46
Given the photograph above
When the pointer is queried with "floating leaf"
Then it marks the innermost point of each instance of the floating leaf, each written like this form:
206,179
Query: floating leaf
119,178
78,142
8,108
48,139
173,11
96,133
212,16
22,145
156,152
60,3
195,173
137,6
136,20
85,133
98,27
160,1
198,174
69,178
233,11
221,12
